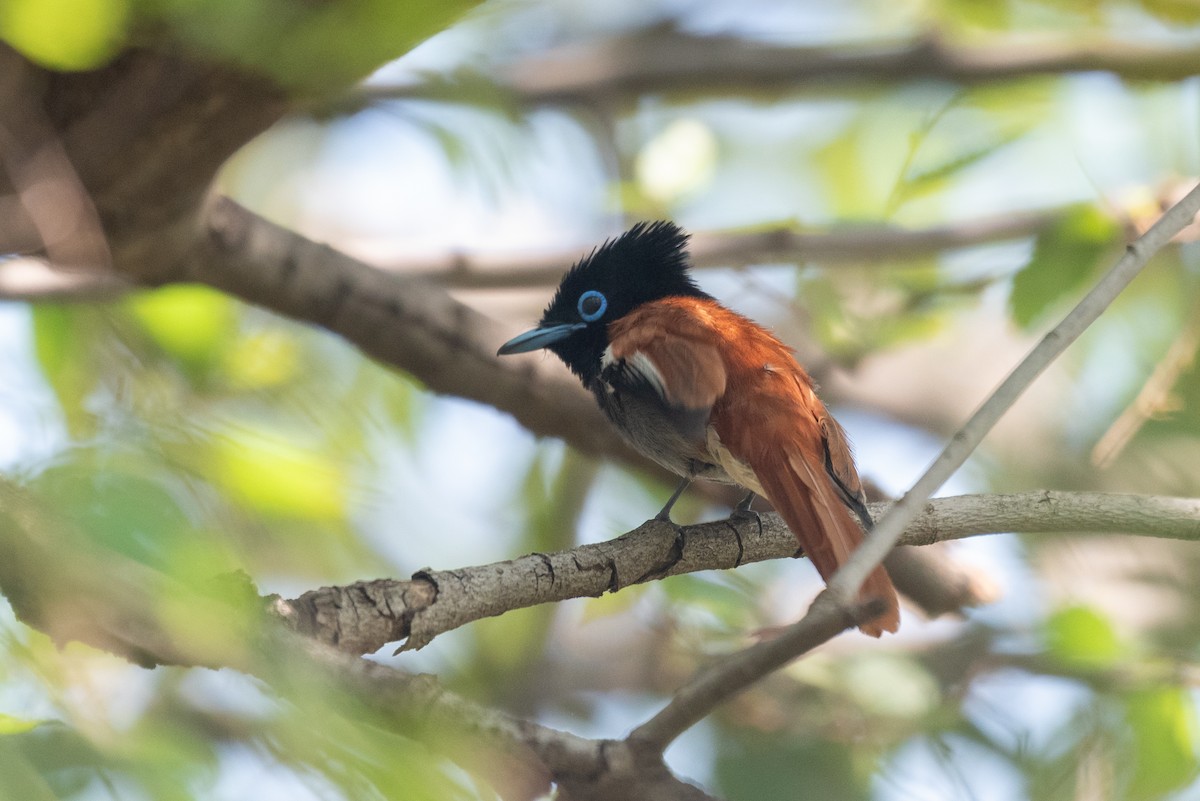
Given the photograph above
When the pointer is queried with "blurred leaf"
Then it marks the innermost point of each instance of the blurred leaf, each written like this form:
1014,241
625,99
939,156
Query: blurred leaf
891,686
193,324
1065,256
845,179
63,339
12,725
933,178
21,782
758,766
729,605
275,474
51,761
1178,12
1162,720
308,46
124,512
65,34
990,15
263,359
505,646
554,505
1079,636
853,316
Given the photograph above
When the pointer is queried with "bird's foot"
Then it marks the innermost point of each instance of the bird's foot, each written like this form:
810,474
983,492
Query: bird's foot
664,514
743,512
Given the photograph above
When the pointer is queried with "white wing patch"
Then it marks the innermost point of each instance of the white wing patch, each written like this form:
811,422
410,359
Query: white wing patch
637,366
640,364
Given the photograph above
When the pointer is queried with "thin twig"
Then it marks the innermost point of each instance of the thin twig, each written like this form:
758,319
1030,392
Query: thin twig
846,583
730,676
1154,398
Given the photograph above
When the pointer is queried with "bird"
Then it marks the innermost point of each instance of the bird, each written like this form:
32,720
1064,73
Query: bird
708,394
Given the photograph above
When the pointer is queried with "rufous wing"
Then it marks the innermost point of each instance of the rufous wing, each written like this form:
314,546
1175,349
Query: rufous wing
684,371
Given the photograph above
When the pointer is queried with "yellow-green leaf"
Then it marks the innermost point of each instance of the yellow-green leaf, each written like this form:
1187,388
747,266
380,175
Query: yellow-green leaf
1079,636
62,339
192,323
264,359
1162,721
275,475
65,34
14,725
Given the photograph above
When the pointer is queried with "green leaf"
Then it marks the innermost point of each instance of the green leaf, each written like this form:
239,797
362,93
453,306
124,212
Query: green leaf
1065,256
14,725
927,180
844,176
263,359
124,512
63,341
777,767
65,34
890,685
1162,720
309,46
191,323
276,474
730,605
1177,12
1079,636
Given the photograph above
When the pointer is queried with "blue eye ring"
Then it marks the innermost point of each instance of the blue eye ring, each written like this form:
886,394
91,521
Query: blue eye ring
596,313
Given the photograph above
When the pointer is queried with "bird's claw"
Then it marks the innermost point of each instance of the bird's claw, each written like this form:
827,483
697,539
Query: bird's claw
743,512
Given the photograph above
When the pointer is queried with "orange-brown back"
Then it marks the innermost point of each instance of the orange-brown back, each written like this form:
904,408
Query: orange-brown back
767,417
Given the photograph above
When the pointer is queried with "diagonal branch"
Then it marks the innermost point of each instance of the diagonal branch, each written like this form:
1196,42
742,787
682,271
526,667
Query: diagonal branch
829,615
846,583
404,322
363,617
728,677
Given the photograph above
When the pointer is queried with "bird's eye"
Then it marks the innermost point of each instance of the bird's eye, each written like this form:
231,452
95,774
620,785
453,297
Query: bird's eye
592,305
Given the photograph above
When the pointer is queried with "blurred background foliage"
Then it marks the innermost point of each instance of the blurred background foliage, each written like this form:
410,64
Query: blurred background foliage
185,432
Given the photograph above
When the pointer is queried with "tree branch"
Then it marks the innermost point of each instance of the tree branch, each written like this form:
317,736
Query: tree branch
404,322
728,677
363,617
30,279
851,244
887,532
841,244
584,769
62,583
665,60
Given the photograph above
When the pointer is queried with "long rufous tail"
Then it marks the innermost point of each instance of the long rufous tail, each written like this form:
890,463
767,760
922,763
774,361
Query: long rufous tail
805,497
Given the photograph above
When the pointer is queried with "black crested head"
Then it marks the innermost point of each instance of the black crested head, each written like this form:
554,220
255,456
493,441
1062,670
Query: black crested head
647,262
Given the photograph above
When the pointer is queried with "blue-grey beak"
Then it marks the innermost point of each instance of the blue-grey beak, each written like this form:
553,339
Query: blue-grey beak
539,338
